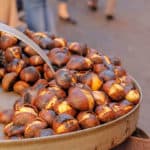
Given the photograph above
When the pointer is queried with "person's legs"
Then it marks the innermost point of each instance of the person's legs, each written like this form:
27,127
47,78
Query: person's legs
92,4
36,14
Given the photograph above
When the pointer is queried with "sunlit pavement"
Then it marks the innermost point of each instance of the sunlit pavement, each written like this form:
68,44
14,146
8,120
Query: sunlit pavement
127,37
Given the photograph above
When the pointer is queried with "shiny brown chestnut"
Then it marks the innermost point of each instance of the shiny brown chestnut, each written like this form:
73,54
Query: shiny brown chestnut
40,84
60,42
2,72
64,107
7,40
65,123
92,80
29,51
44,132
126,106
104,113
79,63
87,119
29,74
115,60
81,99
133,96
64,78
18,104
114,90
119,71
100,97
78,48
59,56
32,128
36,60
98,68
107,75
48,74
45,101
8,81
13,130
95,58
24,115
47,115
6,116
39,69
20,86
16,65
12,52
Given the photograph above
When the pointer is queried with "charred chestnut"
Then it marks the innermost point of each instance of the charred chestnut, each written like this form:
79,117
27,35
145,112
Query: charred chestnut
87,119
65,123
105,113
6,116
29,74
8,81
80,99
47,115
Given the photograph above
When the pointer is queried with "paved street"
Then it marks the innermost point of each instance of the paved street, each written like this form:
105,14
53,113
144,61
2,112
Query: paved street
128,37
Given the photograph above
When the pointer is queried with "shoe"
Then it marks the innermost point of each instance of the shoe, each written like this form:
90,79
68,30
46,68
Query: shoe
68,20
110,17
92,4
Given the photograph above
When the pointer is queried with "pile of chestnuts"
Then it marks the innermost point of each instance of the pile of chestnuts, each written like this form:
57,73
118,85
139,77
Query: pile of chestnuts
87,89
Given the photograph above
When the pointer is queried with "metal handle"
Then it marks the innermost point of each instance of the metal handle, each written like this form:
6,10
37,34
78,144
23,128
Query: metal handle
26,40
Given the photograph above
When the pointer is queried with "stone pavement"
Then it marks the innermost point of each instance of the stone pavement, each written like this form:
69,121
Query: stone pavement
127,37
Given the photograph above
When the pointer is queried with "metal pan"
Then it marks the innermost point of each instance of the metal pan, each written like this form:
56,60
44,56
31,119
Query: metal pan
102,137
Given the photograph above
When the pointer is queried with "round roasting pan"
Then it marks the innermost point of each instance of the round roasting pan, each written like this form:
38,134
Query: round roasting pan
102,137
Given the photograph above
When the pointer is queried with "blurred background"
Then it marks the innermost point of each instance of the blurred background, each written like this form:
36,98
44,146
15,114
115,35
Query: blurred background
126,36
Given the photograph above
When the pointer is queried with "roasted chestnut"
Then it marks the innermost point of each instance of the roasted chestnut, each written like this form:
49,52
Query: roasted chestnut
29,51
115,61
40,84
100,97
105,113
79,63
119,71
2,72
64,107
95,58
47,115
16,65
64,78
36,60
29,74
59,56
98,68
6,116
24,115
13,130
78,48
20,86
107,75
133,96
48,74
12,52
7,40
60,42
32,128
81,99
92,80
87,119
18,104
65,123
44,132
114,90
126,106
8,81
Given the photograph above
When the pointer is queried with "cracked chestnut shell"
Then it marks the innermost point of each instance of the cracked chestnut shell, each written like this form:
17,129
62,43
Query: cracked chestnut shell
13,130
47,115
105,113
64,107
100,97
81,99
6,116
92,80
64,78
24,115
32,128
29,74
65,123
78,48
8,81
87,119
20,86
12,52
7,40
79,63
